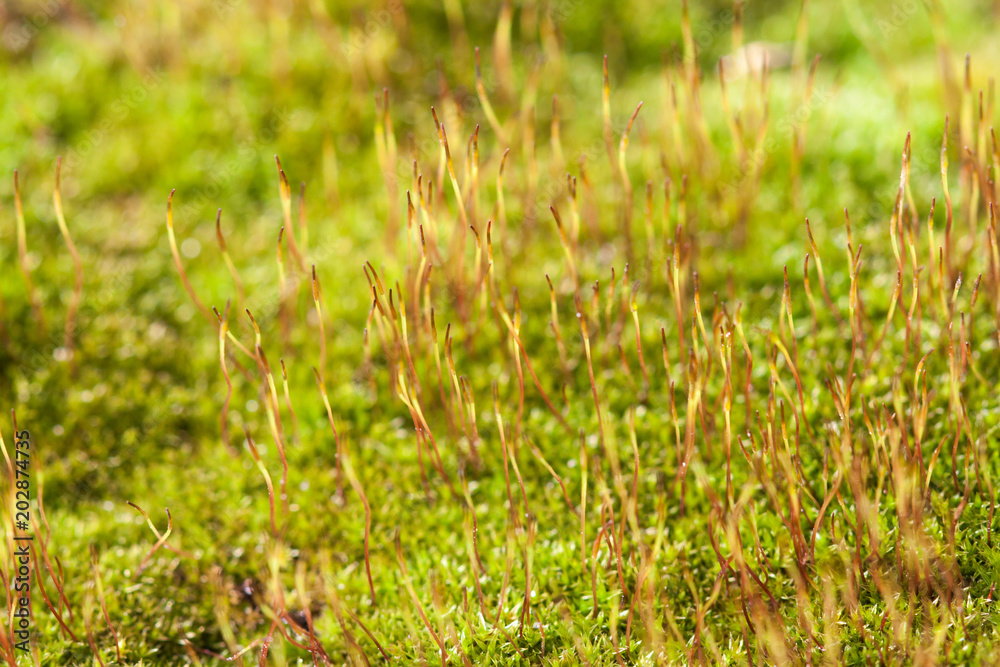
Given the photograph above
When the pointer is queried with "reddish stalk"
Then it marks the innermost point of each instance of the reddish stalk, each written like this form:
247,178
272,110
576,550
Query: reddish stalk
74,304
344,459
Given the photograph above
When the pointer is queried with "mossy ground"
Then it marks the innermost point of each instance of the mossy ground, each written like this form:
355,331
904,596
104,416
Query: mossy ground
141,99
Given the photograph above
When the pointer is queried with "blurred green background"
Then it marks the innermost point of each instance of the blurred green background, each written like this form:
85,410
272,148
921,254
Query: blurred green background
143,97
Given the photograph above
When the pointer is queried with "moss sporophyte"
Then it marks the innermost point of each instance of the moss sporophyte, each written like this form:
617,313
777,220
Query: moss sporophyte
683,354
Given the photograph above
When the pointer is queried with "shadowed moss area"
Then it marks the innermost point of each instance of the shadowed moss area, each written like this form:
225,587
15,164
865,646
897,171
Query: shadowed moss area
497,366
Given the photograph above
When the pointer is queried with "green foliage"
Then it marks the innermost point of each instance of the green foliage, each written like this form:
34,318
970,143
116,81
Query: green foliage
856,419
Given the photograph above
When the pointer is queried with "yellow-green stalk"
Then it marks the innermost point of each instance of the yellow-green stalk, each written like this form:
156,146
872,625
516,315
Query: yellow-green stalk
22,257
241,295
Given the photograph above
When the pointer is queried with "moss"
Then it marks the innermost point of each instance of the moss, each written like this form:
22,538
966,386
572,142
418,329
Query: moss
891,557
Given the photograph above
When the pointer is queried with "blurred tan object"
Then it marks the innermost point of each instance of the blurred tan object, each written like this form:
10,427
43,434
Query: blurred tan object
754,57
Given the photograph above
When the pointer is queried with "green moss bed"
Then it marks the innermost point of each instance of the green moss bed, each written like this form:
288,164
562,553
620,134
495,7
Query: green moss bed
560,332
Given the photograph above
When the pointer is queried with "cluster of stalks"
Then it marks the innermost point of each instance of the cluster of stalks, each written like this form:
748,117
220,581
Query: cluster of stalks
46,576
826,462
